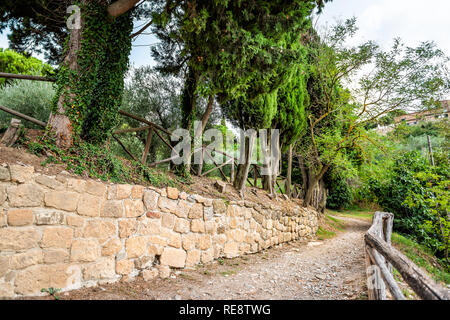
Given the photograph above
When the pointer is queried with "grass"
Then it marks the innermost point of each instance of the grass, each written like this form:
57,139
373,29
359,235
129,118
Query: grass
329,228
353,212
422,257
228,273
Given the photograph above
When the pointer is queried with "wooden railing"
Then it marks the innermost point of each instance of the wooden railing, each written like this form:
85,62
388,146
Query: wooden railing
381,257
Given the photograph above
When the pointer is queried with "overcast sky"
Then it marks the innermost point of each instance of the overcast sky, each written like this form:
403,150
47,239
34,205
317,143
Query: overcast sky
380,20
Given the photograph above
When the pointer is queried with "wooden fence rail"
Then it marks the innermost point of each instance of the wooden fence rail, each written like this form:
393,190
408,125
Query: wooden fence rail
381,256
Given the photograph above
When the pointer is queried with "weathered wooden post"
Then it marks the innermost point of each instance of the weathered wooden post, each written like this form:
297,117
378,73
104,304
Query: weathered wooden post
12,133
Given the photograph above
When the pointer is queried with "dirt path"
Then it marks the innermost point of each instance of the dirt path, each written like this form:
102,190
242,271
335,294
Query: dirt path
332,269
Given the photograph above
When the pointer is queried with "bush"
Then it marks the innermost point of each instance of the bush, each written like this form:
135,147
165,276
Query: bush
31,98
340,194
13,62
415,192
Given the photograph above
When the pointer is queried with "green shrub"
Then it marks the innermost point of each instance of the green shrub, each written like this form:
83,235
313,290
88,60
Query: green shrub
339,191
417,194
31,98
13,62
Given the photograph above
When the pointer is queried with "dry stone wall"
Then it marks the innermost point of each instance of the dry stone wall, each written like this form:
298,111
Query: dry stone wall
67,233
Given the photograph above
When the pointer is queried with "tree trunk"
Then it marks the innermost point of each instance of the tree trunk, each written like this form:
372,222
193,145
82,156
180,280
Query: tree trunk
289,172
323,196
312,183
119,7
243,169
189,105
59,123
201,129
304,176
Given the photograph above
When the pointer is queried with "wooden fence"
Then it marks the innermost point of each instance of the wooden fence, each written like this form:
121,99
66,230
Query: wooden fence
381,257
296,191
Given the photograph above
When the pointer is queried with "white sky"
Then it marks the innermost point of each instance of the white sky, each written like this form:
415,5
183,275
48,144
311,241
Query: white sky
380,20
413,21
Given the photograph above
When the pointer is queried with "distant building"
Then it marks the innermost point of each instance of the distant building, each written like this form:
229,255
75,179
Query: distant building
428,116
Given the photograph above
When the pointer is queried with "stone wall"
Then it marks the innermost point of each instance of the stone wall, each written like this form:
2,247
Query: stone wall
68,233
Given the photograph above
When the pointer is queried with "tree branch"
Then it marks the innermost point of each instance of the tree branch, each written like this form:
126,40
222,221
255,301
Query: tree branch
119,7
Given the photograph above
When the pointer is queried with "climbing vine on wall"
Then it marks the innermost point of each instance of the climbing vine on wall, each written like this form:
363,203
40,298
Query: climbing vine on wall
93,93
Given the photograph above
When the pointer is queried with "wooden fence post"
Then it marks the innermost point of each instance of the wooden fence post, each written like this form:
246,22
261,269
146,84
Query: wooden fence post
12,133
147,145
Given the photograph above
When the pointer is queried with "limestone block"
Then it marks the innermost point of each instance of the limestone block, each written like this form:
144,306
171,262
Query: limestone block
172,257
18,238
167,220
20,217
25,195
4,174
172,193
112,209
183,209
137,192
150,227
29,258
136,247
57,237
21,174
167,205
208,213
89,205
84,250
204,242
75,221
182,225
56,256
77,185
104,268
193,257
48,217
231,249
219,207
208,256
51,183
99,229
127,228
133,208
112,247
151,200
189,241
124,267
3,195
31,280
95,188
196,212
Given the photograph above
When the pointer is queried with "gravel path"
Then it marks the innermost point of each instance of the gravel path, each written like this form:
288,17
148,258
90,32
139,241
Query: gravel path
330,269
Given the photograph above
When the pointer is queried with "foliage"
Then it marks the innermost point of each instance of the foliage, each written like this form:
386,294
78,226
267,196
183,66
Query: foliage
36,26
93,93
422,257
13,62
97,162
28,97
435,203
52,291
412,190
340,193
232,46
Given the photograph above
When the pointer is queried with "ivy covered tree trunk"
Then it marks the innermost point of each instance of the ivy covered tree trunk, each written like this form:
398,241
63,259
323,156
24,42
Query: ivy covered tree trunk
59,123
90,81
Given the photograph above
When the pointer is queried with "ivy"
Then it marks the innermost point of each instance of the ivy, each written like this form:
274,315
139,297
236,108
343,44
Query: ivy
92,94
